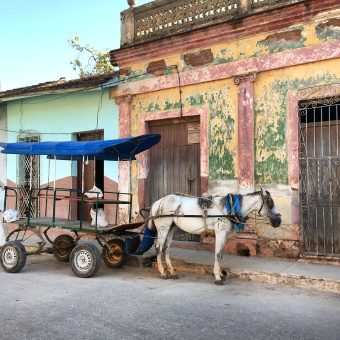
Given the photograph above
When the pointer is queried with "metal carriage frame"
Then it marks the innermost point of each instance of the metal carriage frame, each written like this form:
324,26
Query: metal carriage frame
84,256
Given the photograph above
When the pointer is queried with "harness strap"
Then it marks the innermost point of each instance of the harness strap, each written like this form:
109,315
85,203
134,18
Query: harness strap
200,216
261,207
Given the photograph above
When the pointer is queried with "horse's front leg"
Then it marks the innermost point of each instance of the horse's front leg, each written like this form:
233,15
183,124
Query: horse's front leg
167,243
220,238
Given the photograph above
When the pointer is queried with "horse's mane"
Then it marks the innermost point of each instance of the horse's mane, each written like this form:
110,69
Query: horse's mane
257,193
254,193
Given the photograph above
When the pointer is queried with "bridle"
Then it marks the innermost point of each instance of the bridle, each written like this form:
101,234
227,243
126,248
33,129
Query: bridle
270,203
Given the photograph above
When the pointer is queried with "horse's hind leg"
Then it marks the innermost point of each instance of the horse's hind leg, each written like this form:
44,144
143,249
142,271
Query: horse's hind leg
220,239
167,243
162,231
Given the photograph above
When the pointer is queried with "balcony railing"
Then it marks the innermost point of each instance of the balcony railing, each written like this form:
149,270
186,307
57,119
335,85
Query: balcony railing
162,18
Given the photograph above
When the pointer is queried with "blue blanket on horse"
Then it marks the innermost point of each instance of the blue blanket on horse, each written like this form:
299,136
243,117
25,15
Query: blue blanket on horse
233,206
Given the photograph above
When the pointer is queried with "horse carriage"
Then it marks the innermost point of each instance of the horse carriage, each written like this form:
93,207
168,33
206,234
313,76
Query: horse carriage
116,240
216,216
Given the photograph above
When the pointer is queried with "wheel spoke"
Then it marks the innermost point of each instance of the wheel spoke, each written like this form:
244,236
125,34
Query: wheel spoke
10,257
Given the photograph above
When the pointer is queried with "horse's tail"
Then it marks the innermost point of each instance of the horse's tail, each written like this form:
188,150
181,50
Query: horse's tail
151,224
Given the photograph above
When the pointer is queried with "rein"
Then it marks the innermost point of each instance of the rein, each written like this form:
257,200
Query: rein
261,207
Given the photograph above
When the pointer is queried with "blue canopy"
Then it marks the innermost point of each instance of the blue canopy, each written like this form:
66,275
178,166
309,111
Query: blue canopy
110,150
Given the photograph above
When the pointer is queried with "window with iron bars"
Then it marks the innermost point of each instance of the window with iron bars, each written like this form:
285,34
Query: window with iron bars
27,175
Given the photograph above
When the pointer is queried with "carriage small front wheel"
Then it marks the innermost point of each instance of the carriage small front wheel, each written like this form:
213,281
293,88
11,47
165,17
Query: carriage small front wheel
118,257
13,257
85,260
62,247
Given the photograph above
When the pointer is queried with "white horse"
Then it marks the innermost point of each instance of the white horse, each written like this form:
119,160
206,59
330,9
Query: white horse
168,212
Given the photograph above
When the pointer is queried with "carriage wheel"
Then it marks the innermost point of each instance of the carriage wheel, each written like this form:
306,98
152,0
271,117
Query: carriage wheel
85,260
118,258
62,247
13,257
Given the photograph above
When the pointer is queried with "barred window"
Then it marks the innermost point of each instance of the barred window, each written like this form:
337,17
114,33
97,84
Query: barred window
27,175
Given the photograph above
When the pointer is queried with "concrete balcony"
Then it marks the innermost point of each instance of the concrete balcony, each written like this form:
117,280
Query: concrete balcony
164,18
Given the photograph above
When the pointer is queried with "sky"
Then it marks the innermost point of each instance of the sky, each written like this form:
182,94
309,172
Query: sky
34,33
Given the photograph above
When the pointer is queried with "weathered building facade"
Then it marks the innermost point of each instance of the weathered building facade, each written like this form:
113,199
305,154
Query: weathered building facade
244,93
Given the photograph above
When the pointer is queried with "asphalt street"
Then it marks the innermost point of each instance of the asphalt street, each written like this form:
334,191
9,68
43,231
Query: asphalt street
46,301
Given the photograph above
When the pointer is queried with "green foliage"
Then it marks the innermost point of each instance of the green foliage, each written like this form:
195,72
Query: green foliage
97,61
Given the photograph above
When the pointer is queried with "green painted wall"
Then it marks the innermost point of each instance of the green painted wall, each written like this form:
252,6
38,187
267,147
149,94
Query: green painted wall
59,118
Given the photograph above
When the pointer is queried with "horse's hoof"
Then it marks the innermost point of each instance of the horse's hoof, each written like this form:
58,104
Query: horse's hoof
164,277
219,282
173,277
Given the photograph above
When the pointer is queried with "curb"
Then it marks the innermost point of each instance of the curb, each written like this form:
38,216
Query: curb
281,279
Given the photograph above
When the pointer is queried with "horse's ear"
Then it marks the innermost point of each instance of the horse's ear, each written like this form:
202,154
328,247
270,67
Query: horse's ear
263,192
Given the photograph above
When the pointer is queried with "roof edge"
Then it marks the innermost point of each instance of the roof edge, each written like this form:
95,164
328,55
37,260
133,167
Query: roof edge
59,86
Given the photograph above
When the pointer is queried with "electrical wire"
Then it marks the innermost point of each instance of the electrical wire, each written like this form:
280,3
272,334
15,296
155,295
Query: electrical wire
127,79
100,105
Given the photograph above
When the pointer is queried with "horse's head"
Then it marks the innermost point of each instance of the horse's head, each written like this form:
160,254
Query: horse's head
268,209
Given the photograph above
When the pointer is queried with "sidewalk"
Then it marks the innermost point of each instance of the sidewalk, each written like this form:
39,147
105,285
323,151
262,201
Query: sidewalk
321,277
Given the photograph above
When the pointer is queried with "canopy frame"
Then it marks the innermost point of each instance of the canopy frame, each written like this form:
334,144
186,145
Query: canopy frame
112,150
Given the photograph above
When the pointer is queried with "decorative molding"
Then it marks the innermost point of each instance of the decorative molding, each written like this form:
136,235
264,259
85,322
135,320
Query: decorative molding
319,92
124,99
247,77
167,17
305,55
219,33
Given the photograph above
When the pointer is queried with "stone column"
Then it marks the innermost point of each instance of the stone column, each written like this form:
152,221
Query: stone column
127,26
246,162
246,154
124,103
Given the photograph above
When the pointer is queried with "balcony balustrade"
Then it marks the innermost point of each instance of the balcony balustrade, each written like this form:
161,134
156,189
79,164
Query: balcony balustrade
162,18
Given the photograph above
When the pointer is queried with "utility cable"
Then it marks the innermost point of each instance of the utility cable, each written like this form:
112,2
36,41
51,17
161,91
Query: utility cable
87,89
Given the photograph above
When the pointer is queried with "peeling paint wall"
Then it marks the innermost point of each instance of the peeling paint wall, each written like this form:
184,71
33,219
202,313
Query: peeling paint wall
221,100
294,37
271,93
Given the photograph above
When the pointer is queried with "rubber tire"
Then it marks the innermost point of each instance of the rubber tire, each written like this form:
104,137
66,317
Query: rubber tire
117,260
20,253
67,241
93,255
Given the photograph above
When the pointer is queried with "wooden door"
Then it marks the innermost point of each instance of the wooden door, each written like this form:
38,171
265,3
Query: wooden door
175,162
89,173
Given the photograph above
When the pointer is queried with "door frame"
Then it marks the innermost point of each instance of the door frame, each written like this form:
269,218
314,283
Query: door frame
294,97
100,174
144,158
